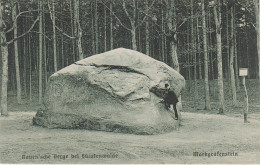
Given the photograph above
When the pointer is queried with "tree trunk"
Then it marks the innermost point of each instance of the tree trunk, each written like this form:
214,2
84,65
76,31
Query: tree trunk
247,61
132,22
163,37
133,35
78,29
174,56
25,65
171,14
45,53
40,51
72,32
96,27
257,16
227,44
54,37
4,52
74,3
245,110
30,67
105,27
258,38
139,36
205,50
147,44
62,39
189,61
165,49
93,28
45,63
133,30
111,25
231,65
217,19
193,52
81,55
236,61
17,68
139,47
198,49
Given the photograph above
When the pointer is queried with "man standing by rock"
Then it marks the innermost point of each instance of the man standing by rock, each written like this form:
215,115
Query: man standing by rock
171,100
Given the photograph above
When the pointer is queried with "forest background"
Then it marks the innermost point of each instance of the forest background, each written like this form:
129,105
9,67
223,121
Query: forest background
206,41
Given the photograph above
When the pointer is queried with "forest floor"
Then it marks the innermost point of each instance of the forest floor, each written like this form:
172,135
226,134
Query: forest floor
202,131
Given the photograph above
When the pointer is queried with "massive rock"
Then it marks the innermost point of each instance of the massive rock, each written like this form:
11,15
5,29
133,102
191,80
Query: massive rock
120,90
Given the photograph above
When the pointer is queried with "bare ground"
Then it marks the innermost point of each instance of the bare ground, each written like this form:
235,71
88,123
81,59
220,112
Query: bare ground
199,133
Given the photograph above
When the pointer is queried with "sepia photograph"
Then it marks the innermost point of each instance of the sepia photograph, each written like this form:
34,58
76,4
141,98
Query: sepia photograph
129,81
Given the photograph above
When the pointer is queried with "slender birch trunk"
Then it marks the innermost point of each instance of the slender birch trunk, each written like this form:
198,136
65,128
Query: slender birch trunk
45,53
231,64
257,16
78,29
205,50
4,51
228,76
40,51
199,49
217,18
16,56
96,27
147,44
54,37
93,28
30,67
258,38
72,32
132,22
189,61
111,25
62,39
193,52
133,35
105,27
163,37
25,64
235,59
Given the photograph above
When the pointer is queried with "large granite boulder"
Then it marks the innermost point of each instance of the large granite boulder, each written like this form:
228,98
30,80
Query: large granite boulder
120,90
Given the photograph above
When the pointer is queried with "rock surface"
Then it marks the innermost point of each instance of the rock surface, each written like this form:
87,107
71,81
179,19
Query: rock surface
117,91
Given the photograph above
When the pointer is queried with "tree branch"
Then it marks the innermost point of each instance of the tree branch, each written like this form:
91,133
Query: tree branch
11,41
126,12
116,17
18,15
42,34
253,25
146,14
65,34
